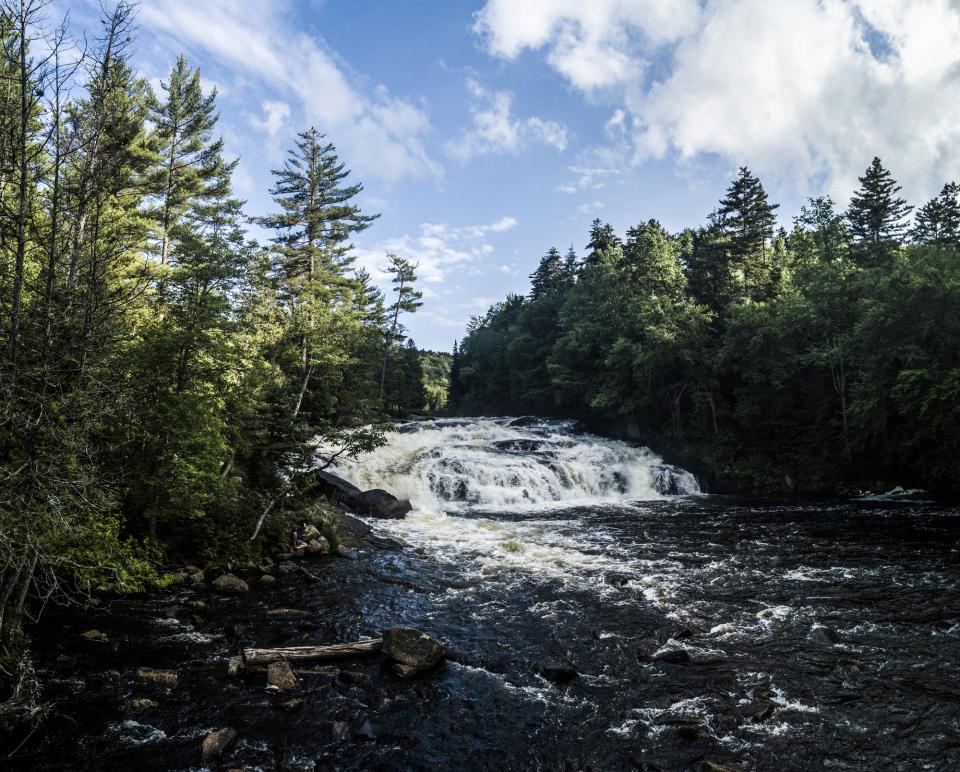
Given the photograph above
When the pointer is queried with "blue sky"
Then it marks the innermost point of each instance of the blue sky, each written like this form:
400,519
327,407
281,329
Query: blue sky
486,132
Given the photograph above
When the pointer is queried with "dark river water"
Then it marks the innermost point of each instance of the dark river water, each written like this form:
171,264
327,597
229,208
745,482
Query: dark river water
702,629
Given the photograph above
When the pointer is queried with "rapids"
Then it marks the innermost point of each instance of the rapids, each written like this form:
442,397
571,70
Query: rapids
702,628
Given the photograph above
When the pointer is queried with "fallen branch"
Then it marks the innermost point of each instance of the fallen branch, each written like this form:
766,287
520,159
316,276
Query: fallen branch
307,653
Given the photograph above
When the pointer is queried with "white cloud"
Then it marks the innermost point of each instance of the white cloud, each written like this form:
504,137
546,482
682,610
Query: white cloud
436,248
381,135
807,90
276,114
496,130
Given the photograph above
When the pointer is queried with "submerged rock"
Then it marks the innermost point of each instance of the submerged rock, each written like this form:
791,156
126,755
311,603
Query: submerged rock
215,743
165,678
558,672
281,675
229,584
412,647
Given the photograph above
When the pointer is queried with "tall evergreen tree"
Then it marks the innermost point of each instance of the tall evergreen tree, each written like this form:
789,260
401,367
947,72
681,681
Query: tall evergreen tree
747,216
877,216
603,241
827,228
550,275
192,170
403,277
938,221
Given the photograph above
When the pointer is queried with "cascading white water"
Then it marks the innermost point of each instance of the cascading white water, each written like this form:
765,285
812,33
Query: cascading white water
510,463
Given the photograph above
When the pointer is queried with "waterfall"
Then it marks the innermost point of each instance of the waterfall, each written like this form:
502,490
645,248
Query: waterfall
453,464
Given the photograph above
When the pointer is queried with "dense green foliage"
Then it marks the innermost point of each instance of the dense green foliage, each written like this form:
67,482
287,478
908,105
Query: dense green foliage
165,381
808,358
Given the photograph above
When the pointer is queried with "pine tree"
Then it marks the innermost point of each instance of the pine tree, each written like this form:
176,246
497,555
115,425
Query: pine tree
403,277
747,216
317,217
877,216
550,275
650,256
938,221
192,170
603,241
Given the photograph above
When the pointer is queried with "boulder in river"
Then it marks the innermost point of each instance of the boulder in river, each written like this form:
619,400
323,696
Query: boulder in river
268,580
558,672
165,678
95,635
525,420
215,743
142,703
281,675
230,584
380,503
412,647
375,503
347,552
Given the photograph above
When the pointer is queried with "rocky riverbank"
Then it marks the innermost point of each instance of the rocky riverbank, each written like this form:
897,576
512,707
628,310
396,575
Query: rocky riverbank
120,673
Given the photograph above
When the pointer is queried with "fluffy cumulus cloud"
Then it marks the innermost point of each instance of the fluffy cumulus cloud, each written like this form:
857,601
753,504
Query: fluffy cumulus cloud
382,135
496,130
807,90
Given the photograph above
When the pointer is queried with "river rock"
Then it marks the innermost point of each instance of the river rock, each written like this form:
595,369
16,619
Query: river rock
229,584
281,675
291,705
558,672
215,743
234,666
197,605
198,577
165,678
524,420
311,532
379,503
671,656
318,546
287,613
412,647
267,580
95,635
346,552
141,704
285,567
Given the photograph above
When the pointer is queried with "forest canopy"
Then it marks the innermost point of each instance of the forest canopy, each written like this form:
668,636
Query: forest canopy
794,359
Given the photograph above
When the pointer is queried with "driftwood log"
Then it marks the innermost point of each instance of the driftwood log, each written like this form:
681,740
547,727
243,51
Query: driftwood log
308,653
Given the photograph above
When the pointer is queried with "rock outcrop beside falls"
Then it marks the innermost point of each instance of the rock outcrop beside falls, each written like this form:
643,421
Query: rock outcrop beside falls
374,503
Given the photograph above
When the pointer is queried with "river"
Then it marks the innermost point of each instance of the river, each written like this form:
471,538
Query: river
701,628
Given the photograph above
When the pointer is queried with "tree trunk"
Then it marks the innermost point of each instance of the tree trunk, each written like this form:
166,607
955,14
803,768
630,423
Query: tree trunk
307,653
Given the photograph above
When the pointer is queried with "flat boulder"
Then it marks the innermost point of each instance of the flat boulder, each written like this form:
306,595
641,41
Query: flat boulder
408,646
95,635
525,420
215,743
380,503
230,584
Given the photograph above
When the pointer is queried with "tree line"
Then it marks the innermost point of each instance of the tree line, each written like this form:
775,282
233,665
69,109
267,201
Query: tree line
165,379
798,359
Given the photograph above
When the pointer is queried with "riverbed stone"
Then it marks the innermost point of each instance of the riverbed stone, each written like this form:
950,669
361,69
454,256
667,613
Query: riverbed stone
215,743
165,678
95,635
234,666
412,647
281,675
347,552
267,580
318,546
141,704
230,584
